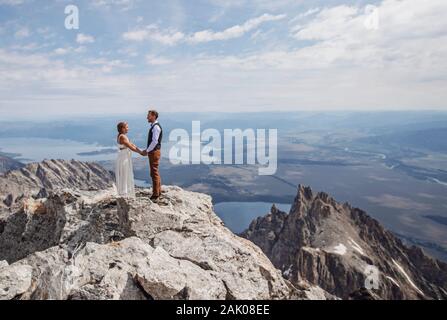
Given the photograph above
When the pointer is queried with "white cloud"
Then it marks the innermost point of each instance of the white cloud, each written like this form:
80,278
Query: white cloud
258,4
157,60
84,38
152,32
12,60
172,37
11,2
406,37
235,31
108,65
136,35
27,47
305,14
329,61
61,51
67,50
130,52
123,5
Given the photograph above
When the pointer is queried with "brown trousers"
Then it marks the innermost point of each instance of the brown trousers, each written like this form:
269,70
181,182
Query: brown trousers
154,162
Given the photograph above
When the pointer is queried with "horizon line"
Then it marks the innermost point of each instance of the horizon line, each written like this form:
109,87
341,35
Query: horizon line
99,115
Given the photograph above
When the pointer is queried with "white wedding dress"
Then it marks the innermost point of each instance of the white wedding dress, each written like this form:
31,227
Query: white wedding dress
125,183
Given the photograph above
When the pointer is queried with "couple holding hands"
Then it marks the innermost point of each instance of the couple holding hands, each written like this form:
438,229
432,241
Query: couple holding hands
124,169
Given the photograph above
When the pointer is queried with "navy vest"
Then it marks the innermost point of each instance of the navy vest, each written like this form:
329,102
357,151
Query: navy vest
149,139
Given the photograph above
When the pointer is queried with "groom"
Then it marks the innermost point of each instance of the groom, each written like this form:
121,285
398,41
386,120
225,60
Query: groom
154,152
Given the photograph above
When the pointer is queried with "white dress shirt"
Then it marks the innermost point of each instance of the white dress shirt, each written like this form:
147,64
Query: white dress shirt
155,135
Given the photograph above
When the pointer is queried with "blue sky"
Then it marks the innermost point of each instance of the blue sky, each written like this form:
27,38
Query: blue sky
222,55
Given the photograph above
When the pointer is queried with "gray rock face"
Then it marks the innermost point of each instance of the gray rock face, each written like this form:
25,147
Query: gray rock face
127,270
14,281
38,178
7,164
338,248
78,244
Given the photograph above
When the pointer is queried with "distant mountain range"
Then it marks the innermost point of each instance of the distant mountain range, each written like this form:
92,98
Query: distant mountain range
37,179
7,163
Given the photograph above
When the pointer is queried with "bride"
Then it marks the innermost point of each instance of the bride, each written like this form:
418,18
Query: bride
125,183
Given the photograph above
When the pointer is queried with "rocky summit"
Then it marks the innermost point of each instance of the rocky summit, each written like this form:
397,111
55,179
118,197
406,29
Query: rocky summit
81,241
345,252
64,234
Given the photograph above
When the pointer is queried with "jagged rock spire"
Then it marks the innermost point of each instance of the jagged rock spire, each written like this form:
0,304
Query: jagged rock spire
331,245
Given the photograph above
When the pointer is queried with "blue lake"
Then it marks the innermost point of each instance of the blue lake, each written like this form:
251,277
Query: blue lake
238,215
38,149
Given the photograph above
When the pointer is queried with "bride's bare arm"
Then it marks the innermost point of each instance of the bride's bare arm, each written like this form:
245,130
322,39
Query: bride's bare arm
125,141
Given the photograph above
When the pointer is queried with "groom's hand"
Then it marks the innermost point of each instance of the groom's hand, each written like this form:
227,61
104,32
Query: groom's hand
144,153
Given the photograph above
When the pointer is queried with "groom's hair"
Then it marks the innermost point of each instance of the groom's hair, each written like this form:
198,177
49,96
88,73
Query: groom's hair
154,113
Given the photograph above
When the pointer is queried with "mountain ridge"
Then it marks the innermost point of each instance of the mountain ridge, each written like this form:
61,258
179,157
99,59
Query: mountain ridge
8,164
332,244
36,179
